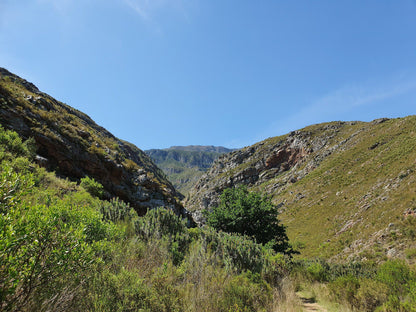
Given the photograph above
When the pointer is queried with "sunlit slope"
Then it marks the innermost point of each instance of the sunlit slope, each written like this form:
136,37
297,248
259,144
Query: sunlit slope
345,189
357,202
70,143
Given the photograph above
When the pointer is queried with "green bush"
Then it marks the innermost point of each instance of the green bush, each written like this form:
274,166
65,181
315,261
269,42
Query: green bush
251,214
236,252
401,283
246,292
40,253
163,223
318,271
396,274
12,146
119,292
92,187
116,210
160,222
371,294
344,289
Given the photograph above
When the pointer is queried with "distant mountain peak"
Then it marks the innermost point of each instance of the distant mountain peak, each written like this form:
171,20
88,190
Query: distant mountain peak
184,165
201,148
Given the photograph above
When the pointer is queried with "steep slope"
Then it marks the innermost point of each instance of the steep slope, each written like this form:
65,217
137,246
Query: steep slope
184,165
345,189
72,144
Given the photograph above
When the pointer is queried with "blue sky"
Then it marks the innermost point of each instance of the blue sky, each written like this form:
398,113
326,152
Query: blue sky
178,72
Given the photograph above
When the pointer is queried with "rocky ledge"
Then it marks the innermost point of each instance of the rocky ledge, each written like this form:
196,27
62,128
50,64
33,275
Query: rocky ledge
74,146
272,163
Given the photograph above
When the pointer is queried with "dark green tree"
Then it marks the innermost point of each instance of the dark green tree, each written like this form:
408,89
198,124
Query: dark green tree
251,214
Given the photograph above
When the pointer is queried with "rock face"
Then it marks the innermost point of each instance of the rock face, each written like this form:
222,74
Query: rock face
184,165
72,144
345,190
289,157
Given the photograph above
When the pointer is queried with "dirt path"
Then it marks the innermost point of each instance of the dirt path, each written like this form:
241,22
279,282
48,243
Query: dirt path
310,305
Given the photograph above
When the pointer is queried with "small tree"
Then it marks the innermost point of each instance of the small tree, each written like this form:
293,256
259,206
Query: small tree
249,213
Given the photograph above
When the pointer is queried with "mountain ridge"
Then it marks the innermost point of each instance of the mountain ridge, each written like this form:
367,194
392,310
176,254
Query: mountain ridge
201,148
328,181
183,165
72,144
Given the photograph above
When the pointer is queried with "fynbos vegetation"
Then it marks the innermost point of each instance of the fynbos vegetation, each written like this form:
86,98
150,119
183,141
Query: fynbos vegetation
71,245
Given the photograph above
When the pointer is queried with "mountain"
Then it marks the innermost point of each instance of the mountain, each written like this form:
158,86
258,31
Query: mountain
345,190
74,146
184,165
201,148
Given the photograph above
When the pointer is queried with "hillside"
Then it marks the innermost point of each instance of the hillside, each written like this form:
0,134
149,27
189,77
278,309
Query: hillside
346,190
68,246
64,249
74,146
184,165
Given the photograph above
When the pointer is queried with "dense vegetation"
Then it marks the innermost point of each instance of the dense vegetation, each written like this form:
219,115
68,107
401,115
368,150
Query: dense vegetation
251,214
62,248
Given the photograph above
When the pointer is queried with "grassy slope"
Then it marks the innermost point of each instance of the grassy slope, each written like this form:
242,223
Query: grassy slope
356,193
353,202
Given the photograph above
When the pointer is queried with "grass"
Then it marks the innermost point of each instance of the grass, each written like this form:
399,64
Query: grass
362,180
354,185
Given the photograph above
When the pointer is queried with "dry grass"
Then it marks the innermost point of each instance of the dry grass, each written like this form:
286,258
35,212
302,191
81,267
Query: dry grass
285,298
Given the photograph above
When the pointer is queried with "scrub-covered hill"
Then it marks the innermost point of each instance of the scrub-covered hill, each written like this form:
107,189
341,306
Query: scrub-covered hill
345,189
74,146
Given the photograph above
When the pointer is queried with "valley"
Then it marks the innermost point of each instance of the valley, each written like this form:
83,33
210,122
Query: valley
184,165
90,222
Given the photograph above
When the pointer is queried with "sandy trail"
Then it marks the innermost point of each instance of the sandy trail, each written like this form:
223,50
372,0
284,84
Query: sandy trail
310,305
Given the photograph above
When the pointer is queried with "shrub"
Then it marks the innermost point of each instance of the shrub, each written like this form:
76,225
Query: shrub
92,187
251,214
246,292
116,210
160,222
401,284
130,165
396,274
236,252
11,145
318,271
163,223
371,294
344,289
41,254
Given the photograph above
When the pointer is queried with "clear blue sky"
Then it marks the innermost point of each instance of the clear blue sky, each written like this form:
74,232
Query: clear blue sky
215,72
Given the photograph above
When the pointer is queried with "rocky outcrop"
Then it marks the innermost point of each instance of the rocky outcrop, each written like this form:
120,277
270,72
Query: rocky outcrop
271,164
74,146
344,190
